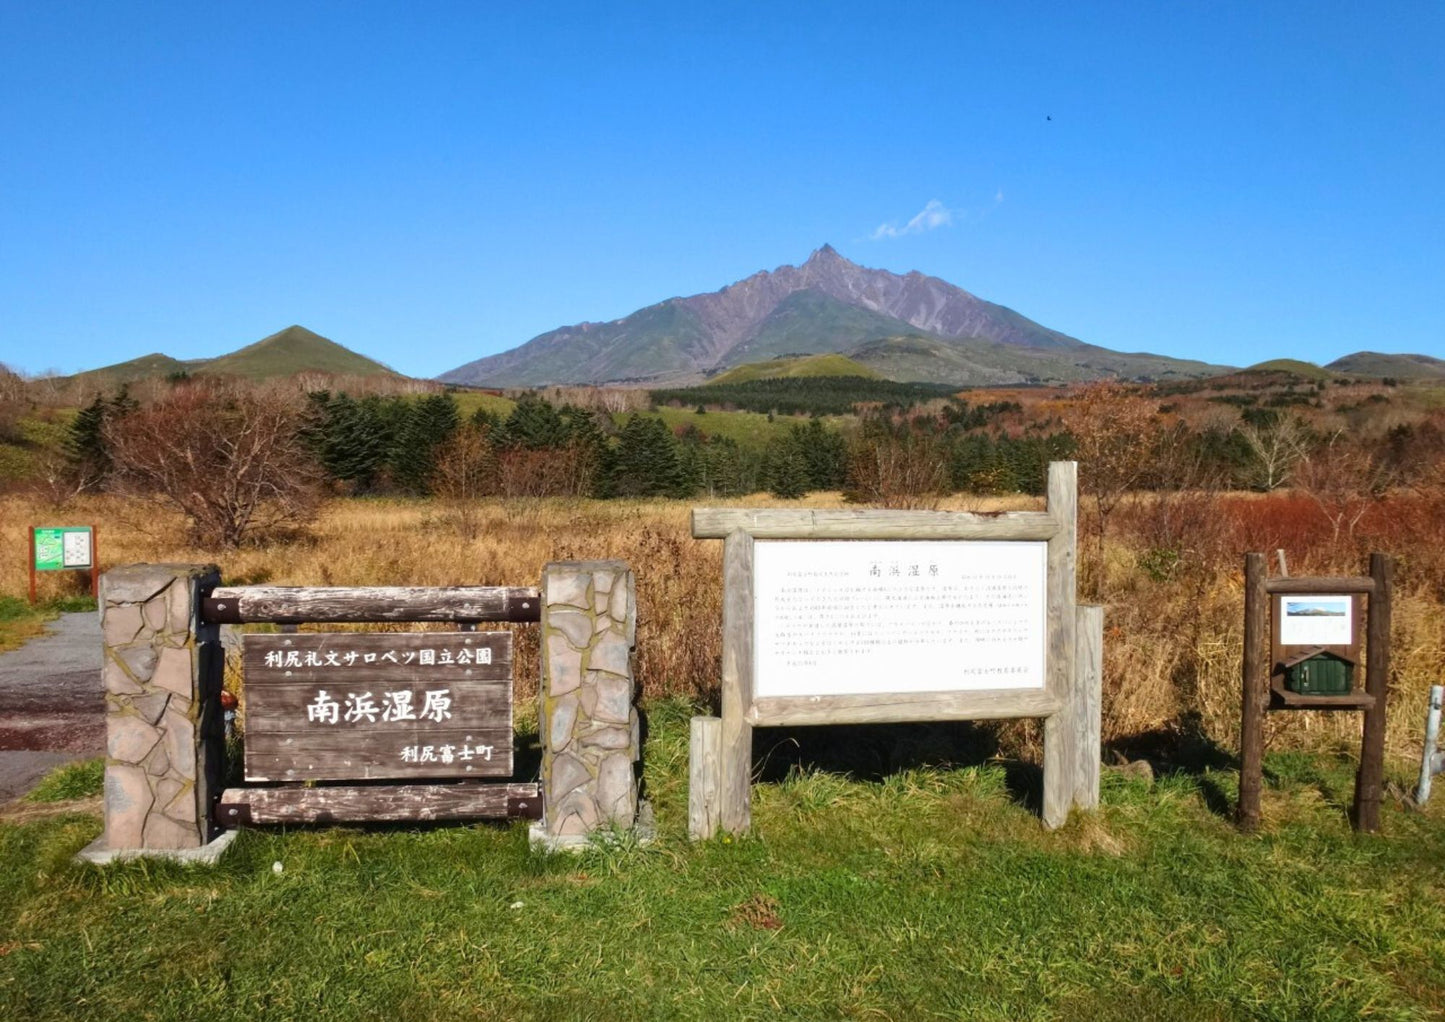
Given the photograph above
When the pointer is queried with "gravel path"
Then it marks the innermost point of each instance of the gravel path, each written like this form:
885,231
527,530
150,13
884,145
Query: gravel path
52,709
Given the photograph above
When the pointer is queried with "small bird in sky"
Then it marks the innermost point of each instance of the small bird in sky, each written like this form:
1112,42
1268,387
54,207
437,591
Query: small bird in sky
1048,117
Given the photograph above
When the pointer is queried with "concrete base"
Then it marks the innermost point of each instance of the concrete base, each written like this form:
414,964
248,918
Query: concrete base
643,832
98,854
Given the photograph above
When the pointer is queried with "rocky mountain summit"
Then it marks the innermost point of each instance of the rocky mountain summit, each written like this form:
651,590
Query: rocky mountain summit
828,304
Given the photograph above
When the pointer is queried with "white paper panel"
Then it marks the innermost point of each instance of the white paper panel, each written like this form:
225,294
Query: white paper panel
835,617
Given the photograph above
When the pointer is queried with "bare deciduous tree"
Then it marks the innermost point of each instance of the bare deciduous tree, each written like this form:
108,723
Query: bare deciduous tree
1116,434
466,471
1345,480
228,456
1277,446
897,467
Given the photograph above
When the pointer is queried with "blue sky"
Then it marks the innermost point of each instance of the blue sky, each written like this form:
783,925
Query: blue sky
429,183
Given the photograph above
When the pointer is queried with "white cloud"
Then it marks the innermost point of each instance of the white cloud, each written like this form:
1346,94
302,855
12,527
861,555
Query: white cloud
998,196
934,214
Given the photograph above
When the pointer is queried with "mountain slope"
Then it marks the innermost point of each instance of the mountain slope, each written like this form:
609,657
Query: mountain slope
1374,363
807,365
826,305
291,351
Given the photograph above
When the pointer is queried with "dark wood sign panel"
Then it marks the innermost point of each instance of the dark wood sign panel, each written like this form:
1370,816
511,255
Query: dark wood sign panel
375,706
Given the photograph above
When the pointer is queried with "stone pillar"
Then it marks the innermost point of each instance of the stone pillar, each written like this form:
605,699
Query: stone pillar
589,725
165,738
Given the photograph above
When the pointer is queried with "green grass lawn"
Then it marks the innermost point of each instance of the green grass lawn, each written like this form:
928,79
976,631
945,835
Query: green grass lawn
749,429
931,893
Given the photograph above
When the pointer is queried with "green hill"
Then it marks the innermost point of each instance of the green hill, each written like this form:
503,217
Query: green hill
807,365
292,351
286,353
144,368
1292,366
1375,363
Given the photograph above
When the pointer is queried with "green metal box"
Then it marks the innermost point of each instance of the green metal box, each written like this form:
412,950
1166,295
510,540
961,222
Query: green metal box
1323,674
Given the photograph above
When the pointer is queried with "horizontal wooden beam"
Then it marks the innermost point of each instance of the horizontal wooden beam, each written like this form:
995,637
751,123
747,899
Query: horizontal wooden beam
397,803
888,708
787,523
334,604
1319,584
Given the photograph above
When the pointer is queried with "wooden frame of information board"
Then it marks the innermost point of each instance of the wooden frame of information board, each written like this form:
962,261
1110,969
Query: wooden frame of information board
1264,691
1068,699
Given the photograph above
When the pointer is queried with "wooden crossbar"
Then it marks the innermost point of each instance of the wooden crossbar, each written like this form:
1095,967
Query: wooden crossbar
336,604
391,803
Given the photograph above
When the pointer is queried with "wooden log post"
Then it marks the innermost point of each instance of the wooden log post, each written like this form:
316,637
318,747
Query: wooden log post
589,724
1061,729
1369,781
1088,702
164,730
736,739
704,778
1255,683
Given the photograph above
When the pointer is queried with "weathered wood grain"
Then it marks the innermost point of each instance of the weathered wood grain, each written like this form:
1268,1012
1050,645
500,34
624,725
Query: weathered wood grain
1061,757
1369,781
1088,701
1255,679
408,648
378,804
898,708
736,751
331,604
788,523
374,755
1319,584
704,814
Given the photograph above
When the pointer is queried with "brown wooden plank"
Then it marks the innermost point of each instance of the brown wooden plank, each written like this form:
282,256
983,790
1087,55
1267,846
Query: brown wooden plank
294,707
373,755
1282,698
1319,584
378,804
1255,676
1369,781
362,658
788,523
238,604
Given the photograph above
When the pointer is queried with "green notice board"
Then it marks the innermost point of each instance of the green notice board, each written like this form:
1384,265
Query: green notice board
63,548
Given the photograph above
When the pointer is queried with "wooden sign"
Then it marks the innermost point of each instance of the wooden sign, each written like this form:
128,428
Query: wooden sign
371,706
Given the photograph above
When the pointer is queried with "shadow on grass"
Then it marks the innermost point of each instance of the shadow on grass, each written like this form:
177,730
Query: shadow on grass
871,752
1182,747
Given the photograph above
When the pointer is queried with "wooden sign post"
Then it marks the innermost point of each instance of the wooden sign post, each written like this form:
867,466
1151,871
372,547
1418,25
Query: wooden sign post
1289,621
835,617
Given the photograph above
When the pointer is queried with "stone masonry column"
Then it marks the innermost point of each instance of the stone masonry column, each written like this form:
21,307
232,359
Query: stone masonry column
165,739
589,725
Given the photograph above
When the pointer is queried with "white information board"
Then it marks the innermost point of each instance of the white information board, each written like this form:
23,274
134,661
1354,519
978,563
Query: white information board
1317,620
76,548
836,617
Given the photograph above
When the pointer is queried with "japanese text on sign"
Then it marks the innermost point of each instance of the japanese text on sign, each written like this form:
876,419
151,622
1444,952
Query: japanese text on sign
851,617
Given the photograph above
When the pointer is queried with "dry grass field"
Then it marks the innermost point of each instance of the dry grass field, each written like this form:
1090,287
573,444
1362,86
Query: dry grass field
1169,573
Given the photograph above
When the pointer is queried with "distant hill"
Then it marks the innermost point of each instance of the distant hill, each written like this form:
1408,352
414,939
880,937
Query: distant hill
1374,363
806,365
826,305
285,353
1293,367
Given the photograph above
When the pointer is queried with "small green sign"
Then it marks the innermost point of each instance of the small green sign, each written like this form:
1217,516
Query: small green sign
63,548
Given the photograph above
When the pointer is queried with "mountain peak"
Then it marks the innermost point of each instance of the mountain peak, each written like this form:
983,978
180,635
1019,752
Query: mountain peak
825,255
